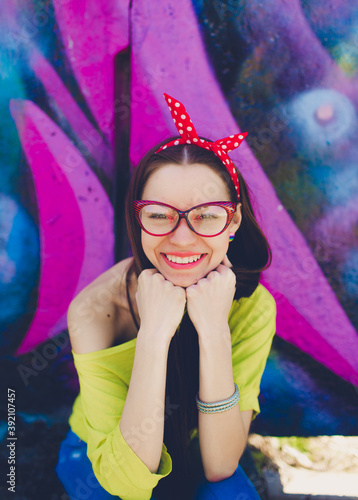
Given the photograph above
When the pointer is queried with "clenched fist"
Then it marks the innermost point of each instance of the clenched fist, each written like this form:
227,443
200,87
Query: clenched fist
210,299
160,305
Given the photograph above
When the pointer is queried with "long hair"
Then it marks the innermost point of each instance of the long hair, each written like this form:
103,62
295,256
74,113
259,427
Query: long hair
249,254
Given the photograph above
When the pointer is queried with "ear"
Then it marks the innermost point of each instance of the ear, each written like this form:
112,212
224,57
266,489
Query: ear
236,221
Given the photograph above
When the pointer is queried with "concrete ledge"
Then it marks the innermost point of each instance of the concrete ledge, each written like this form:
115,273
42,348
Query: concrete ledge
312,485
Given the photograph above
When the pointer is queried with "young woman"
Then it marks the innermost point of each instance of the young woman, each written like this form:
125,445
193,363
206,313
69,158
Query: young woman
170,344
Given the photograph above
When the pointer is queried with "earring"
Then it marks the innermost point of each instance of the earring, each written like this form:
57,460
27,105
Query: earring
231,237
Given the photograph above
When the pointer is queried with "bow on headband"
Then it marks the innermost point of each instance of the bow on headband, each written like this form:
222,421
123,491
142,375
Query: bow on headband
189,136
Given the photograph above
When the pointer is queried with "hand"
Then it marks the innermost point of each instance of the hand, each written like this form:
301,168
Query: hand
226,262
209,300
160,305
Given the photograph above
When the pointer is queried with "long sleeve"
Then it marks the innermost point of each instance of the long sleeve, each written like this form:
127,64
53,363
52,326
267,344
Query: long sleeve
104,378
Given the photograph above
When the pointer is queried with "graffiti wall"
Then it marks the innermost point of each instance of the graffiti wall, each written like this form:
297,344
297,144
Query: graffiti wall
81,97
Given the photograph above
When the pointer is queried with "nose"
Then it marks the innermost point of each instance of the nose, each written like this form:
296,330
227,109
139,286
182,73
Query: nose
183,235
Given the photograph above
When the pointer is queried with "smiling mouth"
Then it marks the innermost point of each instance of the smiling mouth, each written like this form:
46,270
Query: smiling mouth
183,260
177,262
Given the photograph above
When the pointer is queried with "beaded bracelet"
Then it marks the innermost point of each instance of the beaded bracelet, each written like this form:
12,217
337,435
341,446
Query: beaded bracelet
218,406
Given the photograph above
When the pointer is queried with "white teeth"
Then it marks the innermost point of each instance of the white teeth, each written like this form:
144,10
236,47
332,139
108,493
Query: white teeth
184,260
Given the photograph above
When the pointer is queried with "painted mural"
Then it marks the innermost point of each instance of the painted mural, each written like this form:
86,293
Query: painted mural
79,76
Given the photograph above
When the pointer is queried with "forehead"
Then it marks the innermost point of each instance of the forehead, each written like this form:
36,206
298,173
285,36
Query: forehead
185,186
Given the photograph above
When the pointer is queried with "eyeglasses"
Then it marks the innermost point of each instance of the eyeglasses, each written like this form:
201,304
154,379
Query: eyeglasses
208,219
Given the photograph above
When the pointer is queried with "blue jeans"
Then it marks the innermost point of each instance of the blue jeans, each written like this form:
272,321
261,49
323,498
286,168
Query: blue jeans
74,470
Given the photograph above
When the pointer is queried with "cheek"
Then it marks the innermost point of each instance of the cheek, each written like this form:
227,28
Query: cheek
222,243
146,244
219,250
149,243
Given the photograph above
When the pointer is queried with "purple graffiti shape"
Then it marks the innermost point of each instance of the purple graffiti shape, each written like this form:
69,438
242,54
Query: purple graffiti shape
75,218
94,32
91,141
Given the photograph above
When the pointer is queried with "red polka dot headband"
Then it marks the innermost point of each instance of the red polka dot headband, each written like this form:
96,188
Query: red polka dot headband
189,136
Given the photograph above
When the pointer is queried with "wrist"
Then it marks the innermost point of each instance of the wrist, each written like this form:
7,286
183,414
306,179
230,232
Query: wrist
154,341
214,333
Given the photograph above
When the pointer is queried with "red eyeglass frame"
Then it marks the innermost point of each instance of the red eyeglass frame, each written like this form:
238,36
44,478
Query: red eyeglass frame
229,206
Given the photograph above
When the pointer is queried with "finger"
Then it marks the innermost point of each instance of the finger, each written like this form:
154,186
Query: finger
224,270
214,274
226,262
220,269
190,289
149,272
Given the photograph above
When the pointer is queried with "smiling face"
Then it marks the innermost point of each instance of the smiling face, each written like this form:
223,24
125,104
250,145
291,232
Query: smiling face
184,257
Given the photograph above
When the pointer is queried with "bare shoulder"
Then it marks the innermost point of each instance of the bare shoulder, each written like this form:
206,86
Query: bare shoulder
95,313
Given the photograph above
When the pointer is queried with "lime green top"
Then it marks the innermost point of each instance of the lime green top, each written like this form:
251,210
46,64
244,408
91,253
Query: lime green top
104,378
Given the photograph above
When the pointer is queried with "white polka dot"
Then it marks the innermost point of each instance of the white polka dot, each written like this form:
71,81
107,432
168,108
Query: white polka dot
236,144
189,128
180,124
233,170
181,131
183,117
231,136
219,153
223,146
189,142
202,140
176,143
228,161
174,120
177,105
207,147
195,139
170,108
175,112
165,147
169,100
241,136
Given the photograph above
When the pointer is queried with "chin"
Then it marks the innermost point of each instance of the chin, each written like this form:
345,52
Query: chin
183,281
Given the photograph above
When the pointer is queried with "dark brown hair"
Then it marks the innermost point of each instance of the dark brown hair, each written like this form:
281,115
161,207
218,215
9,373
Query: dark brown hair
249,254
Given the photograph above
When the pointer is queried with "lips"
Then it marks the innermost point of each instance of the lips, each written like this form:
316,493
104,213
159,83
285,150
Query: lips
183,261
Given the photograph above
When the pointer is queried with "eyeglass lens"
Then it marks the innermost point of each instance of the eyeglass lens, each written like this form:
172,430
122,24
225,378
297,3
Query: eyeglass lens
205,220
